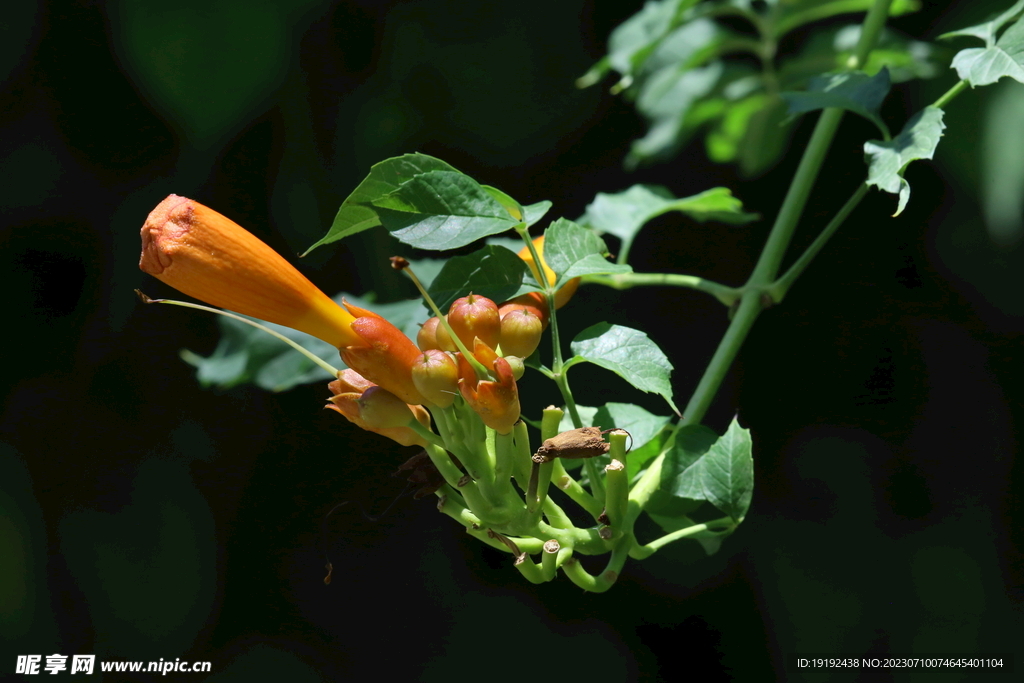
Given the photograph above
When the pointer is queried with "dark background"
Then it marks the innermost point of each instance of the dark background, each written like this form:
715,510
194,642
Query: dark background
144,517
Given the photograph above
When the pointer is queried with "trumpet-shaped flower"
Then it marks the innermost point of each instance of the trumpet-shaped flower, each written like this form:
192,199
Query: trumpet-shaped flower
496,402
210,257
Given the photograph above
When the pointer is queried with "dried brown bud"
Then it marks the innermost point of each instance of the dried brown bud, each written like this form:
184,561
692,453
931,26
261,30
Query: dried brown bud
585,442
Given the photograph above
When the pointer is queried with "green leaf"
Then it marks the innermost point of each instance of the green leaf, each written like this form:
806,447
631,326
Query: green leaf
799,12
886,160
987,30
665,99
442,210
534,212
245,354
356,213
637,37
624,213
851,90
512,206
628,353
493,272
983,66
728,472
571,251
718,470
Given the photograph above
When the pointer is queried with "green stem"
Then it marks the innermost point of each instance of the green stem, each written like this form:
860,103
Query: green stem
870,29
607,578
767,268
727,295
724,524
617,482
950,94
778,289
579,495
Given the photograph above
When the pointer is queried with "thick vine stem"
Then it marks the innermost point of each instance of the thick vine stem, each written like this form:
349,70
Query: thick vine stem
751,303
607,578
617,481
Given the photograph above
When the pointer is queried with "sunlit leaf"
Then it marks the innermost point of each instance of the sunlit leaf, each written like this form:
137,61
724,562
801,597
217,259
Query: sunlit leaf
628,353
357,214
982,66
442,210
886,160
987,30
623,214
571,251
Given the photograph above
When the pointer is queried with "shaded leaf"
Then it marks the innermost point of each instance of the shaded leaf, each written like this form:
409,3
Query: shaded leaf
799,12
571,251
442,210
886,160
493,272
628,353
851,90
357,214
703,467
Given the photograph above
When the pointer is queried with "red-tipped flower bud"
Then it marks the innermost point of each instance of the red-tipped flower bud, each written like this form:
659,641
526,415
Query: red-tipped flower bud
436,376
475,316
496,402
521,330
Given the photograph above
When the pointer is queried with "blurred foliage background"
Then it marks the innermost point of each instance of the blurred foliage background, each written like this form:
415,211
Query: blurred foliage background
143,517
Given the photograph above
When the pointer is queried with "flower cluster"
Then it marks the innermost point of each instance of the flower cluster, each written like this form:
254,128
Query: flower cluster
206,255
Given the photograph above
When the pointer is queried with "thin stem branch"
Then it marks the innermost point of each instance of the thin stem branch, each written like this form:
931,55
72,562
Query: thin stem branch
950,94
778,289
727,295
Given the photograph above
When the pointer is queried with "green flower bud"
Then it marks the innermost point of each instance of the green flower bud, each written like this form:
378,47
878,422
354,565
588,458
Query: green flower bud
521,330
436,376
380,409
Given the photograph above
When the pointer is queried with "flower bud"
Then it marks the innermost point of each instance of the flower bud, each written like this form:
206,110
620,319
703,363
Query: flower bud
383,355
475,316
521,330
436,376
517,365
380,409
426,338
496,402
349,391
